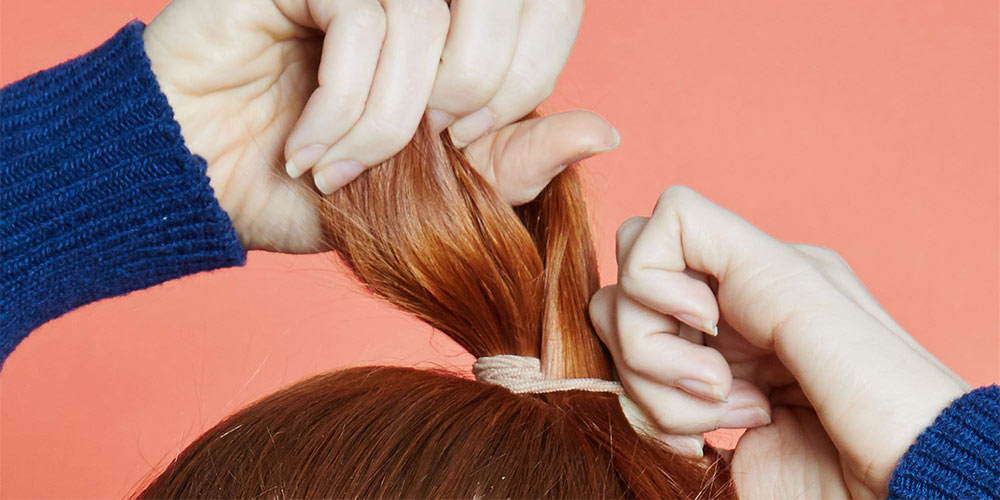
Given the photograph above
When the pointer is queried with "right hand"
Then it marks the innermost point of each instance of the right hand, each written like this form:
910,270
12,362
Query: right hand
795,326
336,86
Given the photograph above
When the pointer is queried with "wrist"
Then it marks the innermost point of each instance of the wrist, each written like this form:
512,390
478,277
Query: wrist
873,390
191,115
108,199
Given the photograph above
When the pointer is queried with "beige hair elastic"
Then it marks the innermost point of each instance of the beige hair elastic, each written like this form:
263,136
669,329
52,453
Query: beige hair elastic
523,374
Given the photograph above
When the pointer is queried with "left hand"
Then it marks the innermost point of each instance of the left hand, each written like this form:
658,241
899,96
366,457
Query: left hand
785,452
794,323
243,78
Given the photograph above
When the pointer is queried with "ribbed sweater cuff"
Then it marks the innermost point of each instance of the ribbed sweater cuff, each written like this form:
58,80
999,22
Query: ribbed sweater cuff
956,457
99,194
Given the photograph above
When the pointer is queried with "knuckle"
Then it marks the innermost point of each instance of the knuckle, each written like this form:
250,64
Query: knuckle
469,86
826,257
345,104
542,90
397,135
601,311
676,195
630,356
433,14
368,16
601,301
564,13
572,11
530,84
391,134
834,257
665,420
242,14
634,353
628,281
629,227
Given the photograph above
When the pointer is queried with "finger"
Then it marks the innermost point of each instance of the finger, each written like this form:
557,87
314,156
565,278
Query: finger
813,440
654,270
354,31
625,237
547,32
692,445
648,345
777,299
415,34
789,395
684,297
684,284
765,370
690,333
677,412
603,315
644,343
479,49
522,158
794,446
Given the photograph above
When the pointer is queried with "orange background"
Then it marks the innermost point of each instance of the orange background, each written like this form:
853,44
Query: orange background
868,127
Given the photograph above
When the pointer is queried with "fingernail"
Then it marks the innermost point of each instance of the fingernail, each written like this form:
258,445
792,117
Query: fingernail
304,159
439,120
471,126
698,323
636,417
337,175
745,418
701,389
684,445
616,139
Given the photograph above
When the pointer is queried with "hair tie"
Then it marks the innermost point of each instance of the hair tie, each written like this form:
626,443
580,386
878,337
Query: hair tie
523,374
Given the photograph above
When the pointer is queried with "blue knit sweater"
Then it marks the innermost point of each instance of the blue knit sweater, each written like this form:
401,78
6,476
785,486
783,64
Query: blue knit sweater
100,197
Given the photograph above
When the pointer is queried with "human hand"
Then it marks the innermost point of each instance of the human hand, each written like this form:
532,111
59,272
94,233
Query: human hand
253,82
792,457
794,324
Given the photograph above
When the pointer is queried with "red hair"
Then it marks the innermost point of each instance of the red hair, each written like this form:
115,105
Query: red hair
427,233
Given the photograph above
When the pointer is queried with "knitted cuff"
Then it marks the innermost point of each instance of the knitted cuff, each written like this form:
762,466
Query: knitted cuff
99,194
958,456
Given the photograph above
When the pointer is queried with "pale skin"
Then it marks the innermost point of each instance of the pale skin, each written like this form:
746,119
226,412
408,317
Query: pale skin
832,388
845,389
256,84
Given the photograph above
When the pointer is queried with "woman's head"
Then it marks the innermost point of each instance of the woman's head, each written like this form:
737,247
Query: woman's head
389,432
426,232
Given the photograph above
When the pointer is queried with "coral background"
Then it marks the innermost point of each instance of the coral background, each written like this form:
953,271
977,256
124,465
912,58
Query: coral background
868,127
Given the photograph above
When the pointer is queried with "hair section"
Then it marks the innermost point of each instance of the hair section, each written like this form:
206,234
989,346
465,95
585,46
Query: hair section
426,232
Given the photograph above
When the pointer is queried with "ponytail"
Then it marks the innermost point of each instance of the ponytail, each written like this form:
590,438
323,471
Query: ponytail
427,233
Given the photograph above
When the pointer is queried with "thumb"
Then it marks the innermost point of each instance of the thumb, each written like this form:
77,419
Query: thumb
520,159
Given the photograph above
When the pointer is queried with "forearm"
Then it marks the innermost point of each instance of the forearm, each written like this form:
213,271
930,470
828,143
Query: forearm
100,196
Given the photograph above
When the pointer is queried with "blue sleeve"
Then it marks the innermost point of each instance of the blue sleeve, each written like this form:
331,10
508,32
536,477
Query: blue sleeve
99,194
956,457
